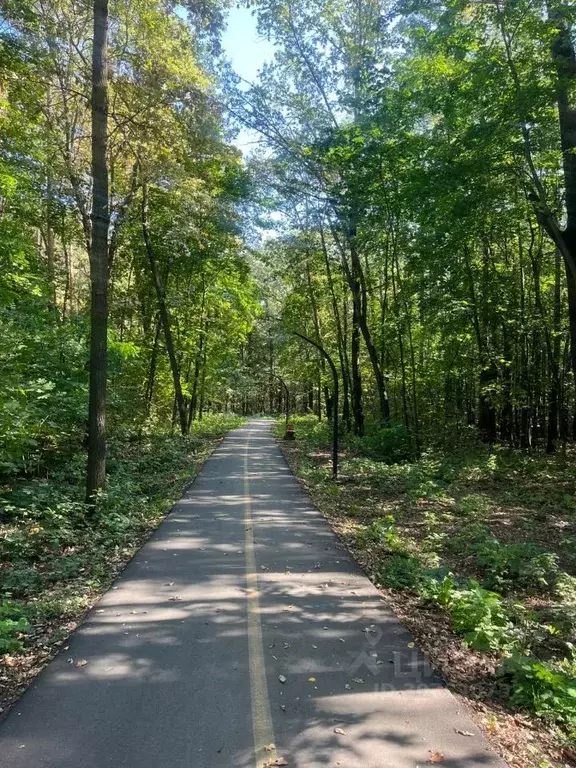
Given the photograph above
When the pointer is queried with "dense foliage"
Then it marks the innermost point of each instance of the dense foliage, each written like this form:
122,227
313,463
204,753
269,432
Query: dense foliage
183,253
411,210
422,154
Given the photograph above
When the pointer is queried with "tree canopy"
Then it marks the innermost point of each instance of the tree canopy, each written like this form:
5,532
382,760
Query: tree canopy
407,212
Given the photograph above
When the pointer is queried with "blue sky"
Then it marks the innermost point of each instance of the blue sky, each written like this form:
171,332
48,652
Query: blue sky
243,46
247,52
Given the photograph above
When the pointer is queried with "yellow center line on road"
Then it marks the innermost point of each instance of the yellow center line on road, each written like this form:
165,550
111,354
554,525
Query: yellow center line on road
262,727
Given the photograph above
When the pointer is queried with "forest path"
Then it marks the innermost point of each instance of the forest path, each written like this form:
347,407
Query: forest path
242,622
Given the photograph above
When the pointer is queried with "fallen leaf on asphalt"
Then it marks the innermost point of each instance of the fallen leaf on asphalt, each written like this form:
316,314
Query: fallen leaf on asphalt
282,678
339,731
435,757
411,645
311,679
80,663
463,733
348,687
357,680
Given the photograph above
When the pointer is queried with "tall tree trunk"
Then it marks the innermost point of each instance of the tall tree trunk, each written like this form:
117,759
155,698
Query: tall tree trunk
321,362
342,350
152,370
202,384
198,359
403,387
50,240
359,295
96,465
565,62
554,347
571,285
488,372
357,404
196,380
164,317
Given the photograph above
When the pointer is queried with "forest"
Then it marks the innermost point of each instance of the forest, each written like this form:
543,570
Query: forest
408,205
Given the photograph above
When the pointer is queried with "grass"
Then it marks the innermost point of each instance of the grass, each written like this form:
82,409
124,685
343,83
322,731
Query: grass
56,561
475,549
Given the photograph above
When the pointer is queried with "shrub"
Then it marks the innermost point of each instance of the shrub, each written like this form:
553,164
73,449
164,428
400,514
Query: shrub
65,568
480,616
440,591
474,505
20,582
522,565
390,444
541,689
401,571
565,587
476,613
12,626
382,532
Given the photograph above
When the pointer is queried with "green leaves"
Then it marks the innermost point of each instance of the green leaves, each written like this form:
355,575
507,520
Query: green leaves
547,690
13,627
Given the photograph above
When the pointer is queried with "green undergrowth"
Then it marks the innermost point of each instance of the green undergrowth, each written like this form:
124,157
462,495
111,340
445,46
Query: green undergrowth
487,535
56,558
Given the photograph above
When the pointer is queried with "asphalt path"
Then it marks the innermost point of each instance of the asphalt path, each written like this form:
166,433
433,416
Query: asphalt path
241,635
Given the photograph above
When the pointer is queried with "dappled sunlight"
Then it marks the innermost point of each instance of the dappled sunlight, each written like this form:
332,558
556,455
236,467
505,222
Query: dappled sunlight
414,735
165,652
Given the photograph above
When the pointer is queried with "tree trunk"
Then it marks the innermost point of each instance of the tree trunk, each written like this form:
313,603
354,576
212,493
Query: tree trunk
202,385
96,465
164,318
196,380
571,284
321,361
565,62
403,388
357,404
359,296
152,369
554,347
488,372
342,351
50,240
